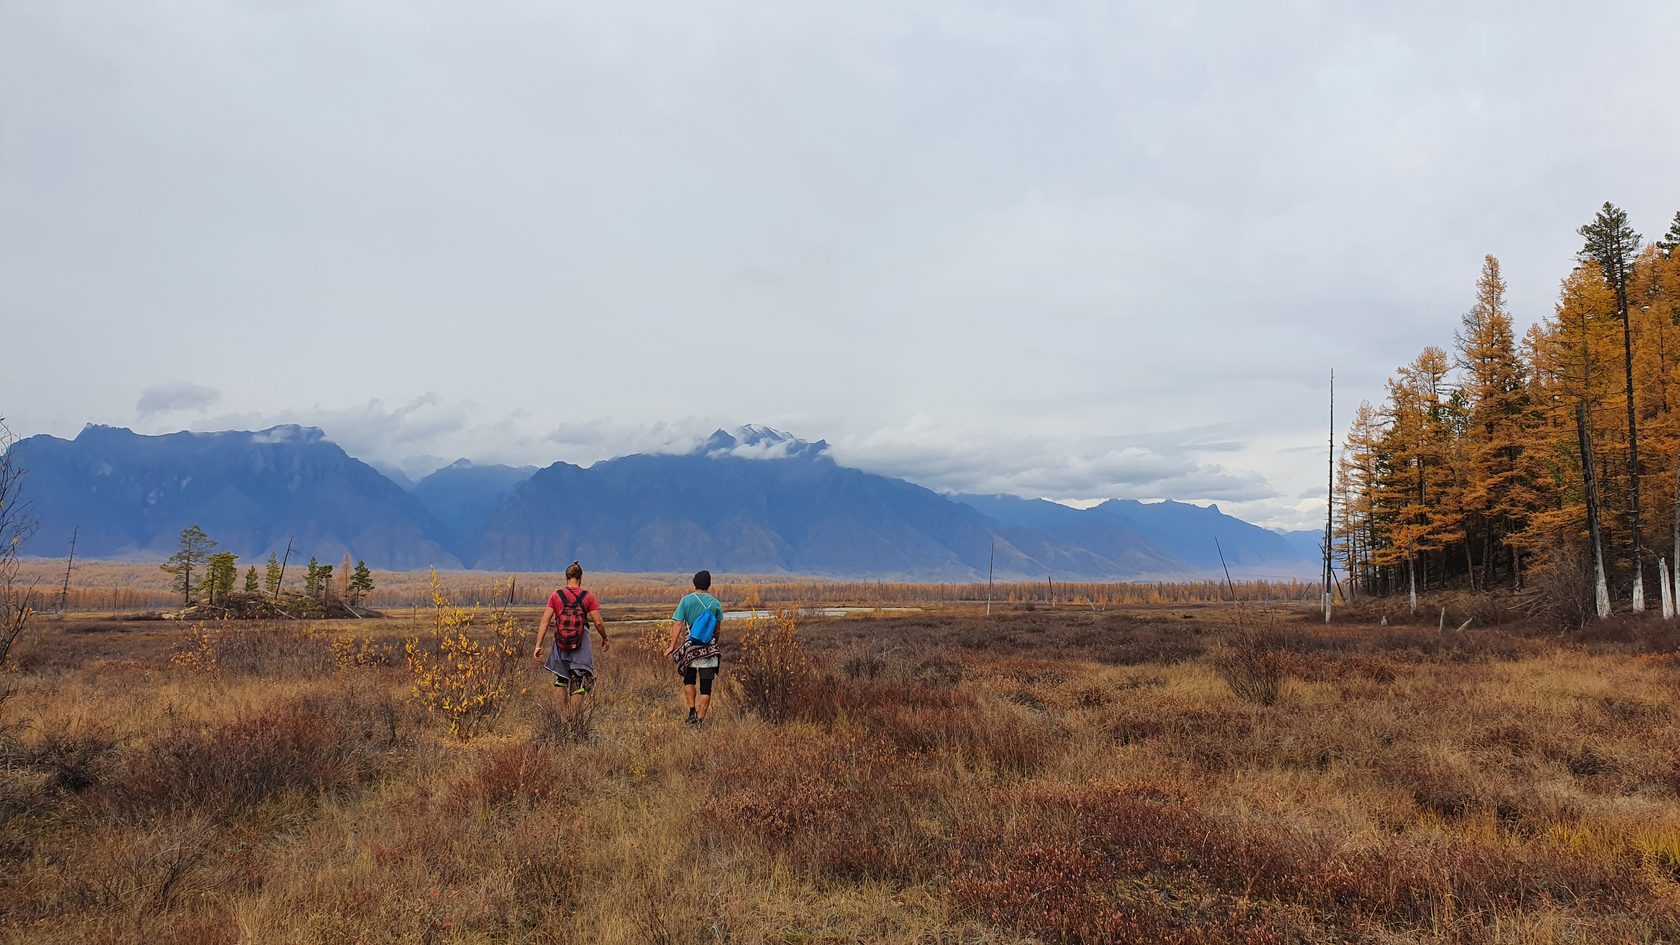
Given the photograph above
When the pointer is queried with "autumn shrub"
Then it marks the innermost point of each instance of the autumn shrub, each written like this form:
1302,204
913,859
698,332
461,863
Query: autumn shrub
196,650
73,761
1256,666
558,723
513,777
838,804
772,675
149,869
1085,848
277,649
936,671
351,652
459,677
1559,588
312,744
1123,862
920,720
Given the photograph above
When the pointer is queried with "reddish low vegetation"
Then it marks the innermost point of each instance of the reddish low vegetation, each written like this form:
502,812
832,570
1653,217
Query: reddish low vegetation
1148,775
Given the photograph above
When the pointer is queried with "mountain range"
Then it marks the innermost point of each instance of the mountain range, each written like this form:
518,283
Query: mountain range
755,500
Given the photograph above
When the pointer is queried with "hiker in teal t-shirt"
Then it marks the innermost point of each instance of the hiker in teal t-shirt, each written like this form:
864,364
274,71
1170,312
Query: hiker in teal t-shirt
697,660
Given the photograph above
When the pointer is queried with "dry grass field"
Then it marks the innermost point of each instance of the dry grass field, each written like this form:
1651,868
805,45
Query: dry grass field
1145,774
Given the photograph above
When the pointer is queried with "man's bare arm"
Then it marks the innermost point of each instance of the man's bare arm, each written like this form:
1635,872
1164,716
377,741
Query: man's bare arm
677,628
542,631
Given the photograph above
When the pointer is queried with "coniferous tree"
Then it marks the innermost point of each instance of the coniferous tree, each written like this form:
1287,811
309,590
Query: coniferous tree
271,581
1359,470
1497,495
1671,240
312,578
1420,478
221,572
1612,244
361,584
194,551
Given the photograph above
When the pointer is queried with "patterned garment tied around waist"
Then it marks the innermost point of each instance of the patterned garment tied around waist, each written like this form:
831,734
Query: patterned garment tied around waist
690,651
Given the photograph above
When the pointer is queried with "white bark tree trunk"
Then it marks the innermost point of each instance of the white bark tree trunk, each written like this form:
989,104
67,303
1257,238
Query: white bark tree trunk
1667,592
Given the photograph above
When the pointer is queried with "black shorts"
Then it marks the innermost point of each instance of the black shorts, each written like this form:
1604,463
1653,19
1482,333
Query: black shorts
692,675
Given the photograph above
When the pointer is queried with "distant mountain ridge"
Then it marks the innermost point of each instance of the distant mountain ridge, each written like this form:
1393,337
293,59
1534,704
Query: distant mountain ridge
751,500
129,495
1189,537
463,494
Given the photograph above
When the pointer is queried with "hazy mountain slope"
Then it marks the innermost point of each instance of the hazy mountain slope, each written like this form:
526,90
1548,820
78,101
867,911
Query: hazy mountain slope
131,495
463,495
1188,533
1308,543
1125,550
680,513
752,500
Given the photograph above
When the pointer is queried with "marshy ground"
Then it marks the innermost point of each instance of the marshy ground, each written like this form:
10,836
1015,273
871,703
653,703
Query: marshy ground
1147,774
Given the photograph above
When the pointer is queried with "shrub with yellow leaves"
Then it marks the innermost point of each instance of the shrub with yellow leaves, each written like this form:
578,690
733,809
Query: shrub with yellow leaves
350,652
195,652
773,674
465,679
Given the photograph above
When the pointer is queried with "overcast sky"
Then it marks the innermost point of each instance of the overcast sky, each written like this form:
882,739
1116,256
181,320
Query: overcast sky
1068,250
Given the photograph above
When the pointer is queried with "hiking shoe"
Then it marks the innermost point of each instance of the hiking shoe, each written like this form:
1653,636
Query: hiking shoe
559,682
693,717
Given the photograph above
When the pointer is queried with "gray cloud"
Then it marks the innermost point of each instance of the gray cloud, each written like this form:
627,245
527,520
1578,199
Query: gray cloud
174,397
529,232
1131,467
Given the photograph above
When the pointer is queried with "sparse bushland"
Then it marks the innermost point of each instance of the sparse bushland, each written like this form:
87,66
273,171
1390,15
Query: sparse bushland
1067,776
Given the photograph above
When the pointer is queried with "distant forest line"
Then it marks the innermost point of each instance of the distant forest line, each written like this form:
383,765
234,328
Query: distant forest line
107,586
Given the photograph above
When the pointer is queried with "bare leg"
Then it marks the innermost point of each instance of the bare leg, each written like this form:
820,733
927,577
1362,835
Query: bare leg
705,701
688,696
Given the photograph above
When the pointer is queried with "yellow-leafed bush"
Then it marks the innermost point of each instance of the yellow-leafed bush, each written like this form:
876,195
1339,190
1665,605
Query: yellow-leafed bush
773,674
466,679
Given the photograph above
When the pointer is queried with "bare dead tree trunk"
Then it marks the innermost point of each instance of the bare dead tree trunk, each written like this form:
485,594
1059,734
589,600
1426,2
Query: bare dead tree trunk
64,594
990,567
17,524
1667,591
282,582
1411,575
1330,501
1601,587
1633,448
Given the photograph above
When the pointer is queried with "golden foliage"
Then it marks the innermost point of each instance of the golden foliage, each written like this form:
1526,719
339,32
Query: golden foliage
195,652
349,652
1470,472
463,678
771,671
